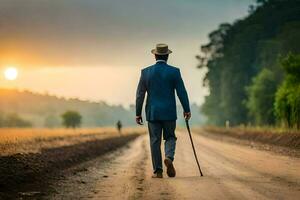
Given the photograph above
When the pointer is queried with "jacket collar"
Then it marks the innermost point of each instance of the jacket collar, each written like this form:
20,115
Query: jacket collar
161,61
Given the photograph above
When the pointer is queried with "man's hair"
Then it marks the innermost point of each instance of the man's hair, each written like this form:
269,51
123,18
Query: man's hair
162,57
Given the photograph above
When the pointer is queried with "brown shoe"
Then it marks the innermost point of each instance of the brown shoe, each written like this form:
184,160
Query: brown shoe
157,175
170,167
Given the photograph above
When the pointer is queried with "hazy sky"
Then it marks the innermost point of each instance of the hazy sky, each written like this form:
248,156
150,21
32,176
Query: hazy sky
94,49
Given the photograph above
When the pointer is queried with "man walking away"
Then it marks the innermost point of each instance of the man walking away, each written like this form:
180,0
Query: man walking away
160,81
119,126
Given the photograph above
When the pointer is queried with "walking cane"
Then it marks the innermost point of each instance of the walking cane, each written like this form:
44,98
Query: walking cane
188,128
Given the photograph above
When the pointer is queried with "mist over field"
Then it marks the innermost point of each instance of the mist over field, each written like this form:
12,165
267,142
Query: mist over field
43,110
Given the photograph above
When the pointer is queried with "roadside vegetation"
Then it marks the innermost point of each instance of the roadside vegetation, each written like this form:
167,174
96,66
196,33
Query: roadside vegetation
287,102
254,68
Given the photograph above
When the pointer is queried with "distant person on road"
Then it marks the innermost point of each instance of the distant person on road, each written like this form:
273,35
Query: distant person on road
160,81
119,126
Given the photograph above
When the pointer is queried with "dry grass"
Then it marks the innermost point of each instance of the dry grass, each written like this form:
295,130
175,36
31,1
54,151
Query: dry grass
266,135
13,135
28,140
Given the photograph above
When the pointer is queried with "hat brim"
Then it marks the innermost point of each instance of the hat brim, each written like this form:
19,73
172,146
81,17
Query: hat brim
155,52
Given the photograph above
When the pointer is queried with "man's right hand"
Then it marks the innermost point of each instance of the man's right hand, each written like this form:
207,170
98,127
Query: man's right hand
139,120
187,115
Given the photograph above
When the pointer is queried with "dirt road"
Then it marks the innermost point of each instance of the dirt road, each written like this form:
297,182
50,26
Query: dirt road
231,171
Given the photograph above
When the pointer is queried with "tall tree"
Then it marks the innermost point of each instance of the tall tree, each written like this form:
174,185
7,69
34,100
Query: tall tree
236,53
287,104
262,97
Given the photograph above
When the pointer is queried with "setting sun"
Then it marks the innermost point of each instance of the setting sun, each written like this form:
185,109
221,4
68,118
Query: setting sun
11,73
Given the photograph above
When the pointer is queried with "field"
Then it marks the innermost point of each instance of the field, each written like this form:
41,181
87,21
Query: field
22,134
24,140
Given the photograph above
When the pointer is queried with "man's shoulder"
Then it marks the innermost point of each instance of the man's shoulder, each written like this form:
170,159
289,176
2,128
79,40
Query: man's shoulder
170,67
173,67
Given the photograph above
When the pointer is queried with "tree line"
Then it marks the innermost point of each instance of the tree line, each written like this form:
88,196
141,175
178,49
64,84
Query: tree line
26,109
13,120
70,119
43,110
254,67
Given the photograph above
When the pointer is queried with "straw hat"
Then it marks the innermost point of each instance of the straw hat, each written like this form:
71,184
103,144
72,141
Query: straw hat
161,49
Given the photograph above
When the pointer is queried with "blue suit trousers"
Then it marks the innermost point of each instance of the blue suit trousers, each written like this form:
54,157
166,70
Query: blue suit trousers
156,130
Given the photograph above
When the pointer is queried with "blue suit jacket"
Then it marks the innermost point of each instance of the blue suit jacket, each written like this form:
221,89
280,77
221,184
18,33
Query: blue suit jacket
160,82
